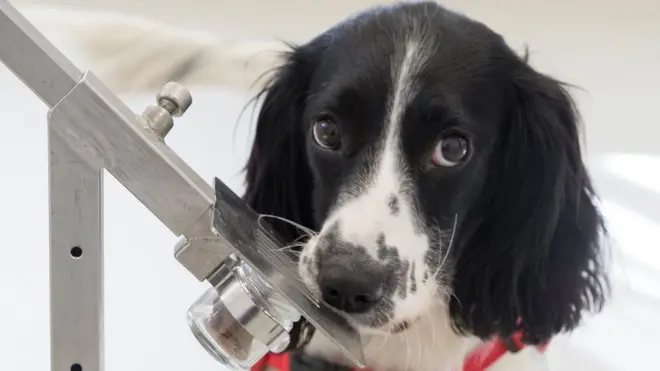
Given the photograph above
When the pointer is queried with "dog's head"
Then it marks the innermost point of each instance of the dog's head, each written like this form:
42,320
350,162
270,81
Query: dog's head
436,168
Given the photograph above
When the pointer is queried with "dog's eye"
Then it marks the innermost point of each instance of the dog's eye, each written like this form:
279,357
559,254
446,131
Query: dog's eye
326,134
450,151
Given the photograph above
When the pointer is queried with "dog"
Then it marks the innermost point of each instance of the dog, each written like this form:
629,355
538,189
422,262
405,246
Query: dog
439,182
432,181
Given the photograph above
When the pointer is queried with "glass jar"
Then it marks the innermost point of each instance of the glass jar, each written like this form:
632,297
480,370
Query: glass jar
241,318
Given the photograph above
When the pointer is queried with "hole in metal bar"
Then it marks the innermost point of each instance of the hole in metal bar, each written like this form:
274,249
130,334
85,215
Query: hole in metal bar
76,253
76,367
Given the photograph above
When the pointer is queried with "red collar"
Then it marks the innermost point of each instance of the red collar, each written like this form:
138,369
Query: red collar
485,355
480,359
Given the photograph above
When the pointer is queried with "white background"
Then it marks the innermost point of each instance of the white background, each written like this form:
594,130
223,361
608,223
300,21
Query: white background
611,49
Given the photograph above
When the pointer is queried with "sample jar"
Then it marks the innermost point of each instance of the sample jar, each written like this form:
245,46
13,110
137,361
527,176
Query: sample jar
241,318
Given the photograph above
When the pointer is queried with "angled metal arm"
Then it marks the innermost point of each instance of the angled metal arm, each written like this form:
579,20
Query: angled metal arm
43,68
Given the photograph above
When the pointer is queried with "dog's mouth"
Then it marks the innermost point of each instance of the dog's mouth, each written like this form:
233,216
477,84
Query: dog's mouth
386,329
400,327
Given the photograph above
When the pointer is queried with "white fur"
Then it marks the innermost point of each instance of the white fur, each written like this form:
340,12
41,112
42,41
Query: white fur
430,345
133,54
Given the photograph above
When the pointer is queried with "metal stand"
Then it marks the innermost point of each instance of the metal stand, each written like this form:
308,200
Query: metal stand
76,259
90,130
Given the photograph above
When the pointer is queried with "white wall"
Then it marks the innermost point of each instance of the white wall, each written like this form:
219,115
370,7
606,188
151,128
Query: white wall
609,48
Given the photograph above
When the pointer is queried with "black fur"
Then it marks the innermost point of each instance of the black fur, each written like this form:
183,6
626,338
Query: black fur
278,178
534,251
529,236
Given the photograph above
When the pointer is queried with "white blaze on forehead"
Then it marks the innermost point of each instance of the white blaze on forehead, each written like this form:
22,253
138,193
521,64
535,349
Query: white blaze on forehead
390,173
364,218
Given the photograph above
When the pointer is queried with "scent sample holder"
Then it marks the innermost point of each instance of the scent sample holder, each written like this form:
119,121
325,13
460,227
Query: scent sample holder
254,297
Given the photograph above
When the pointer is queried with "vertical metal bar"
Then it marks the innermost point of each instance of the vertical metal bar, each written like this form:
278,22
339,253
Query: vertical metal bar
76,259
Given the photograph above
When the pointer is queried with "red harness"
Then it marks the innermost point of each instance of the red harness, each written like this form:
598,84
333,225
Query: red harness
479,359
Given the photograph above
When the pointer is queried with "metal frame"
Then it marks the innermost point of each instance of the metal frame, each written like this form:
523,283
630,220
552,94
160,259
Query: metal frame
80,106
90,130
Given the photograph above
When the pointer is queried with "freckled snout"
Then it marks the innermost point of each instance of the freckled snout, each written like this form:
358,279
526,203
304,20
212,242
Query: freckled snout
350,284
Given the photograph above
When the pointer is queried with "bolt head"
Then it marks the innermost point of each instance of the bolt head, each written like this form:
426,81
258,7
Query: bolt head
177,96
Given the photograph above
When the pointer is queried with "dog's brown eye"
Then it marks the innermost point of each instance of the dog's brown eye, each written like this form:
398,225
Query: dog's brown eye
326,134
450,151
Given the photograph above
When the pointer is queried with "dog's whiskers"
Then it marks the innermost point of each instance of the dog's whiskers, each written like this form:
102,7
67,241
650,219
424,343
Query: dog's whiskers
381,317
419,347
290,248
407,340
449,246
432,346
443,292
427,312
308,231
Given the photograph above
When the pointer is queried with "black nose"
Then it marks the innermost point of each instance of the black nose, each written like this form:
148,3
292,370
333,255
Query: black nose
351,288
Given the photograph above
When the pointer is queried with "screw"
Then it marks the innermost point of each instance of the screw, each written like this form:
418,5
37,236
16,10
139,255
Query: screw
174,98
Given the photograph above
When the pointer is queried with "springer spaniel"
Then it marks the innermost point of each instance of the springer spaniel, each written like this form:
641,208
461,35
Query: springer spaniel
433,180
436,182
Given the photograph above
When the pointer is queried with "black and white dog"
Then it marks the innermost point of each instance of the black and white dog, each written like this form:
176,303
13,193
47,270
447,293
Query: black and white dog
435,177
441,180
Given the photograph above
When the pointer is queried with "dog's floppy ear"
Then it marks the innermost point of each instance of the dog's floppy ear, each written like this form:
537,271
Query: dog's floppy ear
278,178
533,262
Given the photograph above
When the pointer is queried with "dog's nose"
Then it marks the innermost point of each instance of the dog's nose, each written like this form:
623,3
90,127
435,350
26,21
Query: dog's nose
352,288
